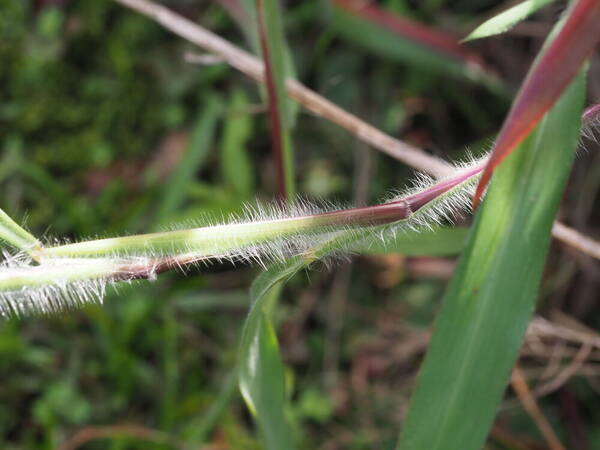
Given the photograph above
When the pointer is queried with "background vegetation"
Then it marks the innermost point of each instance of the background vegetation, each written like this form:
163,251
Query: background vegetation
105,128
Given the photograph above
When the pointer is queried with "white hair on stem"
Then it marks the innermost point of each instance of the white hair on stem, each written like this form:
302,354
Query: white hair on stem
590,124
72,275
49,279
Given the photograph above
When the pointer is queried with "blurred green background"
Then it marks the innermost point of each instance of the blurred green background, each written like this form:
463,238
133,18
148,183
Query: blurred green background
107,129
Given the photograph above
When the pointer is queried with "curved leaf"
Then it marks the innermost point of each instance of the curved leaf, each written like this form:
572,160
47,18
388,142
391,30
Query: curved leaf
489,302
261,376
507,19
261,370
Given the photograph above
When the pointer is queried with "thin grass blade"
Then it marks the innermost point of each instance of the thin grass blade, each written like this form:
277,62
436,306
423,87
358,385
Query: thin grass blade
507,19
261,377
396,37
236,167
197,151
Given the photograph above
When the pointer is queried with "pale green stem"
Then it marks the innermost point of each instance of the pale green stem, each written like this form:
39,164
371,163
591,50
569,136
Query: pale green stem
15,235
221,240
73,270
73,274
230,239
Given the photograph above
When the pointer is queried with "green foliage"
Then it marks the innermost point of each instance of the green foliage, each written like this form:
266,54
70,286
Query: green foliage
198,149
90,91
492,295
277,60
280,54
436,242
415,54
262,381
236,167
13,234
506,20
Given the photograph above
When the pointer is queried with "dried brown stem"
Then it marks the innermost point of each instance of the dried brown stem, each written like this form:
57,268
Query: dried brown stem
575,239
522,390
566,373
254,68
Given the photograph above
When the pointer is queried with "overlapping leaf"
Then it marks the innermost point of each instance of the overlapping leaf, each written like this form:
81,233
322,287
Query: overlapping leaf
547,79
489,302
405,40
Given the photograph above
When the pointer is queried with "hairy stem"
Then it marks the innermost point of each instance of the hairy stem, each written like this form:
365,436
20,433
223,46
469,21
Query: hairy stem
220,240
254,68
216,241
71,274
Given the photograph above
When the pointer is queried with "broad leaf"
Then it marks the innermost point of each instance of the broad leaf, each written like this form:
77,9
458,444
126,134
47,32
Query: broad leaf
491,298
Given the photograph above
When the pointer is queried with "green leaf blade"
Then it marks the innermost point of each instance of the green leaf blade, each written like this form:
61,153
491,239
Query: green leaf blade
410,43
568,47
261,371
492,295
195,155
436,242
236,166
506,20
261,377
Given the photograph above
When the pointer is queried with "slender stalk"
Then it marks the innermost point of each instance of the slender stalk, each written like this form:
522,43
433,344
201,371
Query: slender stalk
78,273
18,237
227,239
220,240
527,399
420,199
280,139
576,240
253,67
590,115
14,278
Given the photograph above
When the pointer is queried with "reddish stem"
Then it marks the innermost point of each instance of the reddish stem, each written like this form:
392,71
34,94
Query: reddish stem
590,114
273,103
420,199
436,40
545,82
